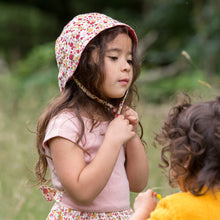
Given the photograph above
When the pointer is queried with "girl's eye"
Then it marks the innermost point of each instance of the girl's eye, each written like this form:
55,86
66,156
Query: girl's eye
113,58
130,61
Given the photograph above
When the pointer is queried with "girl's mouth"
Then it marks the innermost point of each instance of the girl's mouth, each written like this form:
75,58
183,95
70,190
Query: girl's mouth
124,81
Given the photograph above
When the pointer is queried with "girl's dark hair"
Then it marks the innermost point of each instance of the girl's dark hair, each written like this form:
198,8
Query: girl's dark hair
73,98
191,145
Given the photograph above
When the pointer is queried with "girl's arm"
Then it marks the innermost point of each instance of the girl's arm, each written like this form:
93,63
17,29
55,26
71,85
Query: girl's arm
136,164
84,182
136,157
144,204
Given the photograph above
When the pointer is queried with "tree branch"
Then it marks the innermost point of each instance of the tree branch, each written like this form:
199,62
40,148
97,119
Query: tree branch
162,72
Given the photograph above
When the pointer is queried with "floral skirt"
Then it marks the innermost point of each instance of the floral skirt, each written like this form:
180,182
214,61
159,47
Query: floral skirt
59,212
62,213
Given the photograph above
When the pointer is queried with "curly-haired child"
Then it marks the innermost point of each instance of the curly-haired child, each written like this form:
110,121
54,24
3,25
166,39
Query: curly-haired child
191,151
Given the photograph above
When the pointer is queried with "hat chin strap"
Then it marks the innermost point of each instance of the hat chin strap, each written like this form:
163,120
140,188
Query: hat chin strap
103,102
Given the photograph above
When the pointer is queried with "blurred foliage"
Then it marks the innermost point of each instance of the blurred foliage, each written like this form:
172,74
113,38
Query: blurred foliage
188,25
172,20
23,28
186,82
40,57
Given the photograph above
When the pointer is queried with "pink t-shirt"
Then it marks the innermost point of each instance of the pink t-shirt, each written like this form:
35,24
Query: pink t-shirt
115,195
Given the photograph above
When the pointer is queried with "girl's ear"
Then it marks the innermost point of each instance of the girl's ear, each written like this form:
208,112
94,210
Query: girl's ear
95,56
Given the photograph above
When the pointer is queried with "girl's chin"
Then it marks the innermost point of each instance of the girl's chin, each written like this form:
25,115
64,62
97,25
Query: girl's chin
121,95
118,95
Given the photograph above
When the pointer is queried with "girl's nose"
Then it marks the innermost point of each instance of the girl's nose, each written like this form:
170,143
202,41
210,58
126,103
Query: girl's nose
125,66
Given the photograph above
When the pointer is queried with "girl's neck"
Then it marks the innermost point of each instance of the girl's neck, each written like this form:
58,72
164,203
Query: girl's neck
96,115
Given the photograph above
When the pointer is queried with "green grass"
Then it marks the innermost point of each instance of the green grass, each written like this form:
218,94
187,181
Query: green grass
20,108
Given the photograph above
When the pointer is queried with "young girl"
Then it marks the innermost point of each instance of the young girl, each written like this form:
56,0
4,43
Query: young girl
191,138
93,150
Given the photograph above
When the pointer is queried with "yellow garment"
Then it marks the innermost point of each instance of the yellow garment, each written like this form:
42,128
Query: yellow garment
185,206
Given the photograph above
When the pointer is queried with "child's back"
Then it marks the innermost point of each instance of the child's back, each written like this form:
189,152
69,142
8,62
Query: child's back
184,205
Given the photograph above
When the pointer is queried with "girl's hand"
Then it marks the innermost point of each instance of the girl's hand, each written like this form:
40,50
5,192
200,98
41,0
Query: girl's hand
119,131
132,116
144,204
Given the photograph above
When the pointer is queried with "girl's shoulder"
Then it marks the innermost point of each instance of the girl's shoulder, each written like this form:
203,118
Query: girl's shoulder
68,118
65,114
64,118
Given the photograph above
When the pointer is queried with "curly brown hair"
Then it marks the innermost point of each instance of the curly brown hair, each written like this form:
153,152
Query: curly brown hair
190,140
91,75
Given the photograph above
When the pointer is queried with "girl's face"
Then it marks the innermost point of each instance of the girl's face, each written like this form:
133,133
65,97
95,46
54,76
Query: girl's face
118,67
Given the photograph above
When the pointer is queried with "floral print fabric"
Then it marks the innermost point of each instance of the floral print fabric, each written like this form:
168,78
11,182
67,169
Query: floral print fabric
75,37
51,194
63,213
59,212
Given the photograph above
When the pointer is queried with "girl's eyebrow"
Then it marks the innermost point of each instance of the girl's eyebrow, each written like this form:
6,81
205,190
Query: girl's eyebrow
113,50
116,50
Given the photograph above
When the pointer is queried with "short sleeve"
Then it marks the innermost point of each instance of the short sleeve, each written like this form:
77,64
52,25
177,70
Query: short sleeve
65,125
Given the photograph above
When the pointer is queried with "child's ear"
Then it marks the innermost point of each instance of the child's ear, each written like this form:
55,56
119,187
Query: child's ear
95,56
187,161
